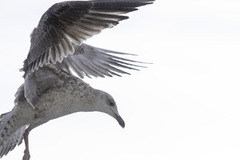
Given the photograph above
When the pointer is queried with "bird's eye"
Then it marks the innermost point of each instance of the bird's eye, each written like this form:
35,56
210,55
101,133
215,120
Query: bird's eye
111,103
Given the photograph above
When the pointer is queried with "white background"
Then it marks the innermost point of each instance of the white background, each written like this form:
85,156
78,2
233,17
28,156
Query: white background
186,105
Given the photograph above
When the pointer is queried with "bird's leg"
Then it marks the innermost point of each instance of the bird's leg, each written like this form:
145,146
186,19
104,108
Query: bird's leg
26,151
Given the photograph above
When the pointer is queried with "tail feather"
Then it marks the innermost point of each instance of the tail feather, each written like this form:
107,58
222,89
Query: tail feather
9,138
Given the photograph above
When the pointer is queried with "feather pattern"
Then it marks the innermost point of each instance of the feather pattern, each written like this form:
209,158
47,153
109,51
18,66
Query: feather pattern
10,135
92,61
67,24
58,39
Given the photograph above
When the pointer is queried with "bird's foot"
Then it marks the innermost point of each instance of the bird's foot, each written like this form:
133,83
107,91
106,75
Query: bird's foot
26,155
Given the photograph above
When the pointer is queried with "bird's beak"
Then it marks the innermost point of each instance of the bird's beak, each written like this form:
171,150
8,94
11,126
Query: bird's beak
114,113
120,120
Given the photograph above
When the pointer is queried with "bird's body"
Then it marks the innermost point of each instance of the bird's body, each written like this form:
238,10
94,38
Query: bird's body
66,94
50,90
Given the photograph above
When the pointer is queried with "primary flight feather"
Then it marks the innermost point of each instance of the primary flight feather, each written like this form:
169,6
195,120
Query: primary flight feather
58,40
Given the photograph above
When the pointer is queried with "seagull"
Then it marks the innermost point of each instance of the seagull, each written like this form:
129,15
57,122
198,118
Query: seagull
67,94
50,89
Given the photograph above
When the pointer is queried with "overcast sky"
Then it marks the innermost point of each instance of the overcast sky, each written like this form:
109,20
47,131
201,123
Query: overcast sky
186,105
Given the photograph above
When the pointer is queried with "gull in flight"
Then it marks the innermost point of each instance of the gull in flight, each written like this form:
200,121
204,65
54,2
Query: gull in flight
50,90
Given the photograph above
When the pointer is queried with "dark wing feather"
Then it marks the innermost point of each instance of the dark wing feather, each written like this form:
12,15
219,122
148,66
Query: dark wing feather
69,23
92,61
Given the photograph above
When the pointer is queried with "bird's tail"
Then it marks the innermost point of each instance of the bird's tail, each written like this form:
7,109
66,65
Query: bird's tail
9,137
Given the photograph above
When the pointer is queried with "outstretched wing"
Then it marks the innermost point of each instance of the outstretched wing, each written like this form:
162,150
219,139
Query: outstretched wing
92,61
67,24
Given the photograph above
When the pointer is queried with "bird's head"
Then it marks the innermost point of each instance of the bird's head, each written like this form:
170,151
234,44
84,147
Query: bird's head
106,104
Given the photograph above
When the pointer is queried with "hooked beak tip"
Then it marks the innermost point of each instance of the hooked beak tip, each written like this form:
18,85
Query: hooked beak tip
120,121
